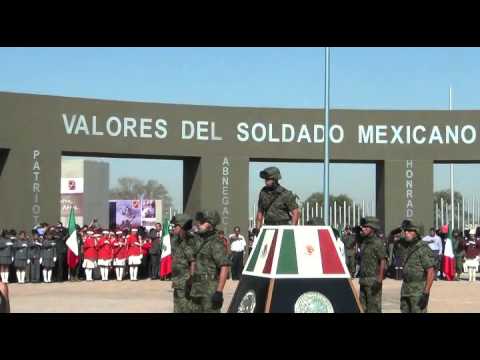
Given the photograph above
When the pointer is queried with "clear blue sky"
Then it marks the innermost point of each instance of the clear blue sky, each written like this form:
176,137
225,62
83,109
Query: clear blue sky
362,78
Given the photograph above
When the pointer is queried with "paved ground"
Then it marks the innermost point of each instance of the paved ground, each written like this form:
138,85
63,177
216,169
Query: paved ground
156,296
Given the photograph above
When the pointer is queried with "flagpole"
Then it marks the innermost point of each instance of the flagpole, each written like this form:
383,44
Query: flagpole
326,137
451,169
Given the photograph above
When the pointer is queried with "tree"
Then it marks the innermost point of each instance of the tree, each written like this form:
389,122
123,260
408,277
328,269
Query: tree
445,195
131,188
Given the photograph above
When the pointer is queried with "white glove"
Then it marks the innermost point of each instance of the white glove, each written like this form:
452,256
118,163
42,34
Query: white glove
13,258
9,243
24,245
54,259
28,261
40,261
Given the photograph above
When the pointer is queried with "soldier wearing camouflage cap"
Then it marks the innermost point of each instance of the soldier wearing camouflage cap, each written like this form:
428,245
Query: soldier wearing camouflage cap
373,257
418,270
276,205
182,262
211,267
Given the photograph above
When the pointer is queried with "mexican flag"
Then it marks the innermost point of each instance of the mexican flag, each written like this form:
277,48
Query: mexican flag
296,251
448,263
166,260
72,243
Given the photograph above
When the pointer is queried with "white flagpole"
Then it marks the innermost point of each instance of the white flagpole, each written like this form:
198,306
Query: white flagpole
326,162
441,212
451,171
335,214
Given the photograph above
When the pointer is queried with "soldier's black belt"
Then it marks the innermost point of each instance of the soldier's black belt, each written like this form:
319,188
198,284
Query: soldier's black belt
203,277
285,222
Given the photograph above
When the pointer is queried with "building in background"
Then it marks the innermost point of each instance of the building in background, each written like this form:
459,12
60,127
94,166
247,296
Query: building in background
85,185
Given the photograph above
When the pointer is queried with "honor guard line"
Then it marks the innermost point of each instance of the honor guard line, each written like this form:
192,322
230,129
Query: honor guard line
216,144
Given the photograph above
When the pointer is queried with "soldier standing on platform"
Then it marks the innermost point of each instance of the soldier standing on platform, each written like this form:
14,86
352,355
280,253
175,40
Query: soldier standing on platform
276,205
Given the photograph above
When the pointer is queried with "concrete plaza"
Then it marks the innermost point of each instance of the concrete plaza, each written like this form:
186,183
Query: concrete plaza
156,297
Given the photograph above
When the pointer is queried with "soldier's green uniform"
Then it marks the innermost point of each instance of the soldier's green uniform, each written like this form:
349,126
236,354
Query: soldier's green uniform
350,244
210,256
182,257
418,258
372,253
275,203
459,252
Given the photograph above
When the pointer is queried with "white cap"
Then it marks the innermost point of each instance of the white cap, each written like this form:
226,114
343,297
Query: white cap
134,229
89,232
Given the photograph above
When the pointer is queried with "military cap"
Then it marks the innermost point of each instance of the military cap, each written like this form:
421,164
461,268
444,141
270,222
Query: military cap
412,226
271,173
182,220
371,222
210,216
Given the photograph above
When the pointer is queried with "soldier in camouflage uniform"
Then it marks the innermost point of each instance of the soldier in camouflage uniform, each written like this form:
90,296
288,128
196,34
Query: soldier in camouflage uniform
211,267
276,205
372,265
182,260
350,244
418,271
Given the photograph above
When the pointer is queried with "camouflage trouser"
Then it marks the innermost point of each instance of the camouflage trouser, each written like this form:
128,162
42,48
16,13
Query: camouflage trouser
409,304
371,301
203,305
351,264
202,296
180,303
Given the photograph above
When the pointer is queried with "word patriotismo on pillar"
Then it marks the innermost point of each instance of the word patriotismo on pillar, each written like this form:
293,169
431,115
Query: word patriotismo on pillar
36,186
